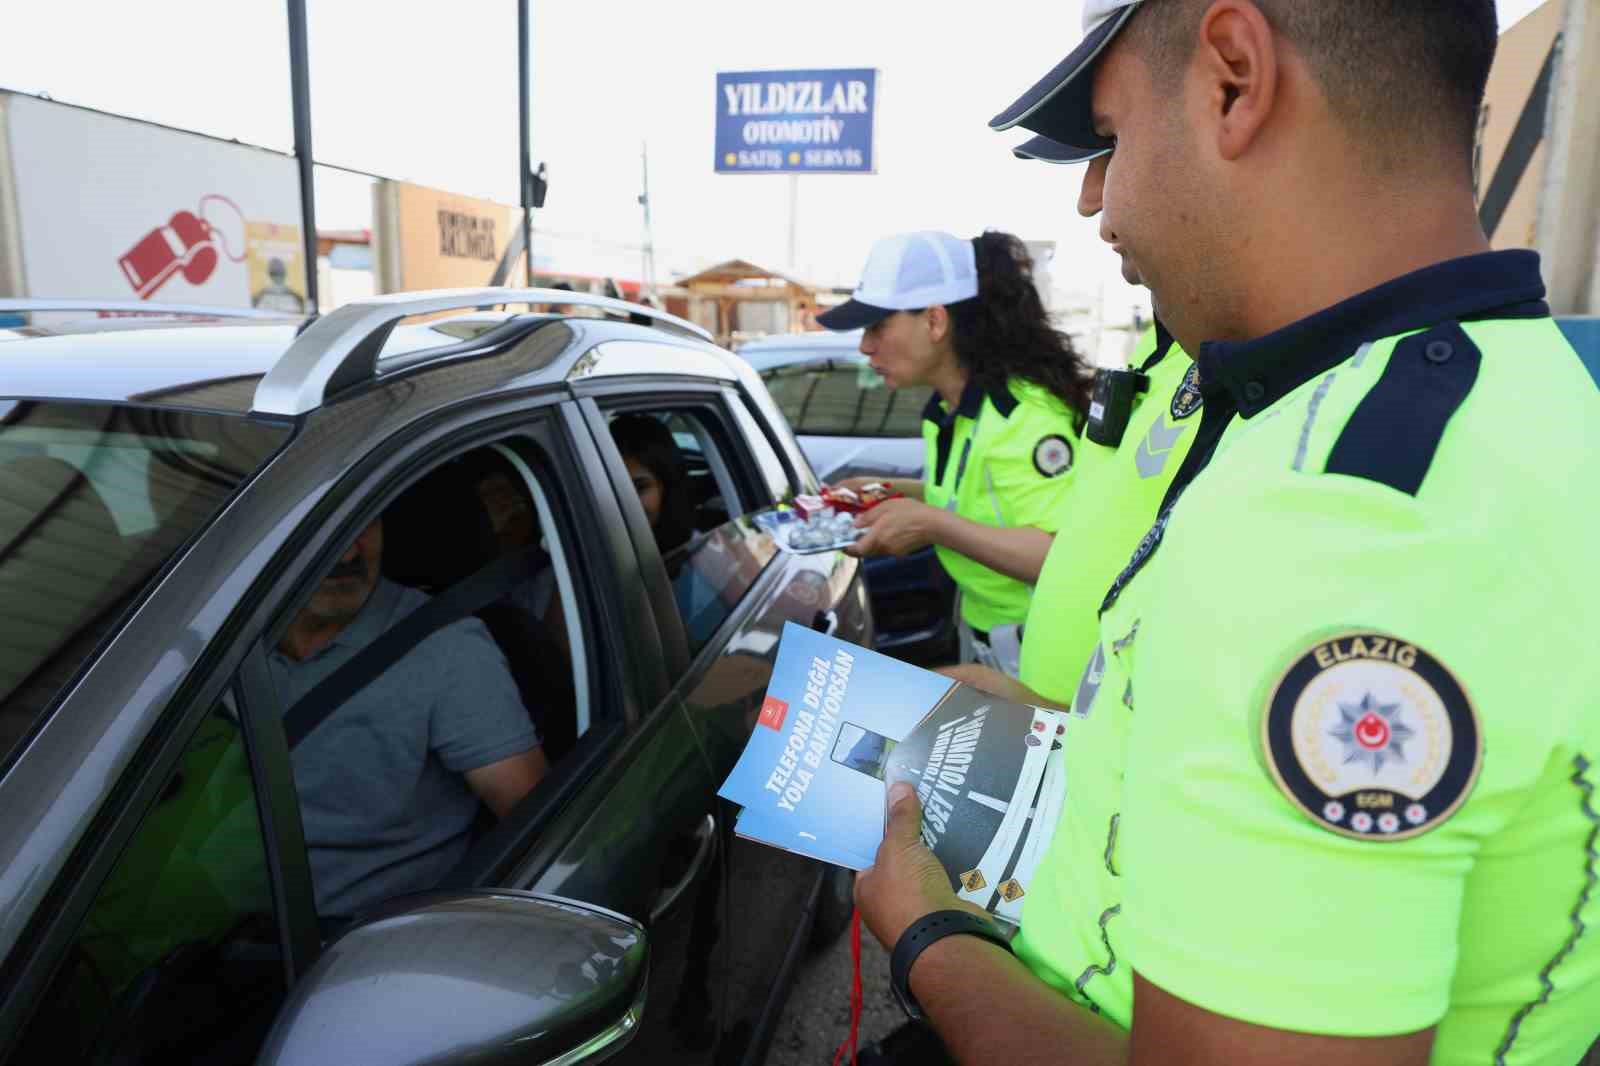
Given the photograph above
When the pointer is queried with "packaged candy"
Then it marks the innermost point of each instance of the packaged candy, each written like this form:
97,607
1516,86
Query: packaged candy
824,530
843,499
809,505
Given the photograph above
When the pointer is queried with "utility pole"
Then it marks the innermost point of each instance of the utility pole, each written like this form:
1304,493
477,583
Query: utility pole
794,210
525,123
300,97
647,273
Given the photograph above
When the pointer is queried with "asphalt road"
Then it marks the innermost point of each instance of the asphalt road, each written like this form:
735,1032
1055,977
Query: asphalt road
817,1017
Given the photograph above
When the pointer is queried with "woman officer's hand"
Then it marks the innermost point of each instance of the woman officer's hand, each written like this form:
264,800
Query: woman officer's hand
895,527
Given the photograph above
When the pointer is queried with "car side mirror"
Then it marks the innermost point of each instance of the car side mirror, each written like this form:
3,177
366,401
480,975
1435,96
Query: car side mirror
468,977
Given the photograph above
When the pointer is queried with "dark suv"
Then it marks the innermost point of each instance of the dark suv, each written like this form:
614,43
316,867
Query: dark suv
172,494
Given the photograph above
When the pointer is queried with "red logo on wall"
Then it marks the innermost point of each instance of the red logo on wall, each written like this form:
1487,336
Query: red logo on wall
188,244
773,711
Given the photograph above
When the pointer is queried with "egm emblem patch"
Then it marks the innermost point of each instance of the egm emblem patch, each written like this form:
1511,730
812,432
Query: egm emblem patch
1186,401
1052,456
1372,737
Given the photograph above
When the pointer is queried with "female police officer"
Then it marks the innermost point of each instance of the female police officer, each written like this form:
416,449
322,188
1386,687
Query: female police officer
1002,429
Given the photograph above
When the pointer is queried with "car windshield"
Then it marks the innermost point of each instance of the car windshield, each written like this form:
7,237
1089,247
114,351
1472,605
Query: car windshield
94,500
844,397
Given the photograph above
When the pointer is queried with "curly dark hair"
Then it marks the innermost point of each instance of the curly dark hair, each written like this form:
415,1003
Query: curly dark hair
1004,331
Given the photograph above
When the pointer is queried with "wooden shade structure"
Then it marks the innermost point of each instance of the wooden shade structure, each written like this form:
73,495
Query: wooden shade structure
739,301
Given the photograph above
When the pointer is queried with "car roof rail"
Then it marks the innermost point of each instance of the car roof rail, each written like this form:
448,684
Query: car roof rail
19,305
341,348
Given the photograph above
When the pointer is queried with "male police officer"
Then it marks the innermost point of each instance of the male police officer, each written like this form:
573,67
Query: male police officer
1333,796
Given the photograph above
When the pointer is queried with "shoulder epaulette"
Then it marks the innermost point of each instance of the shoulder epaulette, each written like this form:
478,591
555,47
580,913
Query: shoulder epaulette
1395,430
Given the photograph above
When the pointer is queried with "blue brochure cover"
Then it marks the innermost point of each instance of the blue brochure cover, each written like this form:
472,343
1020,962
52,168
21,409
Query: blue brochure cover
840,724
795,771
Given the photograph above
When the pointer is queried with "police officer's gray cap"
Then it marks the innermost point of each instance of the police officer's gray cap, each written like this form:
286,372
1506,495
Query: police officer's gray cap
1059,105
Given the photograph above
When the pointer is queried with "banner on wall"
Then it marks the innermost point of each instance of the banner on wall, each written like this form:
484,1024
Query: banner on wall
432,239
106,207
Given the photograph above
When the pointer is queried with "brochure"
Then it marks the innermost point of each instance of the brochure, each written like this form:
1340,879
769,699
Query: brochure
841,723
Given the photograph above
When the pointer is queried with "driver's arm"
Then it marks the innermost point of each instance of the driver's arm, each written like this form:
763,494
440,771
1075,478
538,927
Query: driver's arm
501,785
481,730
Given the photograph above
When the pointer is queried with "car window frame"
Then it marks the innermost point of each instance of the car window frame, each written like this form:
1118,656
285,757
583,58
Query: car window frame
368,493
774,474
723,403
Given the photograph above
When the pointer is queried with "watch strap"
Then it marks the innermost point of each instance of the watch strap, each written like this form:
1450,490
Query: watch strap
920,935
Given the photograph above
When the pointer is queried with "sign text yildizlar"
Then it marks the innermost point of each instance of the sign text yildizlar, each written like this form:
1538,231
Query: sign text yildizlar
795,121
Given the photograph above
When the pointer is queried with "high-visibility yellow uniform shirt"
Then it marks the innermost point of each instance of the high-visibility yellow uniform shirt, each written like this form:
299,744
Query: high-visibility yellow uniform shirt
1004,459
1116,497
1337,774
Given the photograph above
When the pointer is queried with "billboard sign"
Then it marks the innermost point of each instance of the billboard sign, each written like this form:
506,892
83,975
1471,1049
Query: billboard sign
432,239
114,208
796,121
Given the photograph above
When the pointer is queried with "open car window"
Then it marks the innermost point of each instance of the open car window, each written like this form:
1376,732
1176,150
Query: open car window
432,675
683,459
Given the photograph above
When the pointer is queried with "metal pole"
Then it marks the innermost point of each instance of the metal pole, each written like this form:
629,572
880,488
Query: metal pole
525,122
794,206
300,88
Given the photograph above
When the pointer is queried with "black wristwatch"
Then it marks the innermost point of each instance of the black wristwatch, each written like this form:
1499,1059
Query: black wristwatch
923,932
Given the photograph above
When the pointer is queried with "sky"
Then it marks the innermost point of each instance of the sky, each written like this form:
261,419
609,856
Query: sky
427,92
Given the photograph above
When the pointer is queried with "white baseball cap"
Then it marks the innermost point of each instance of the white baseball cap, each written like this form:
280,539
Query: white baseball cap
908,272
1059,105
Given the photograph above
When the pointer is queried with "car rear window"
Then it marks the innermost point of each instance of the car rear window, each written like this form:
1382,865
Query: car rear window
844,398
94,500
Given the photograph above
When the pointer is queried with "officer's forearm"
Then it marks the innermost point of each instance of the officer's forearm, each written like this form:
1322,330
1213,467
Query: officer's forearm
987,1007
1017,553
906,486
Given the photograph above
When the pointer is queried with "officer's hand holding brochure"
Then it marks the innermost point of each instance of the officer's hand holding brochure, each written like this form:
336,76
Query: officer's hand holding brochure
840,724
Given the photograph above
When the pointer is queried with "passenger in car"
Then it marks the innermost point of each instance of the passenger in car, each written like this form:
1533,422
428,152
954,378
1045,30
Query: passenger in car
511,516
661,480
391,781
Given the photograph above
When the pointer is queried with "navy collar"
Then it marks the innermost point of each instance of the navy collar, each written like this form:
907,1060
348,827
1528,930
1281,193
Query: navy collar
1260,372
971,404
1163,346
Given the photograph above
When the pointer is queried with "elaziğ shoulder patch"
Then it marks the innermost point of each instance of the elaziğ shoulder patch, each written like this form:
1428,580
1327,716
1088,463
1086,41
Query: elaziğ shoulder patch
1372,737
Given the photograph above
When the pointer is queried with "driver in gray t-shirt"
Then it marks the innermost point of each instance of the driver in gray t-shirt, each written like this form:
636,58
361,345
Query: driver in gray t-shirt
391,781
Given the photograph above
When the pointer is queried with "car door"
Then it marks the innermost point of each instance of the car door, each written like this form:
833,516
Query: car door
721,671
628,823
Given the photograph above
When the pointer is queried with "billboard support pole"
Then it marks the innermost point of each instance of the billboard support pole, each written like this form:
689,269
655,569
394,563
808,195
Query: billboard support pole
525,122
794,208
300,91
